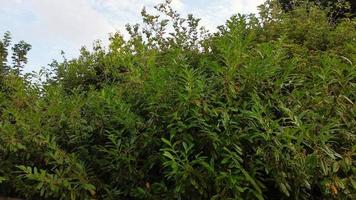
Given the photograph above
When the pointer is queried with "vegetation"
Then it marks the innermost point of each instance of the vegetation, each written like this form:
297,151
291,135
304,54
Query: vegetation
262,109
336,8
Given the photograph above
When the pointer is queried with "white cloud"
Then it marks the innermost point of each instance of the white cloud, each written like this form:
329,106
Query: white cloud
215,12
74,21
120,13
246,6
177,4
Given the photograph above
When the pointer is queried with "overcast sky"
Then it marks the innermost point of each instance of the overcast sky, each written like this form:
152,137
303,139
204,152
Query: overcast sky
54,25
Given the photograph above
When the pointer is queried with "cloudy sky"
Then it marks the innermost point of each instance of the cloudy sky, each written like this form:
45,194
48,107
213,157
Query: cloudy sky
54,25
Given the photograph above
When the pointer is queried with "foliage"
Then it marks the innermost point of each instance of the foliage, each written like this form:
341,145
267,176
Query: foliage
262,109
336,8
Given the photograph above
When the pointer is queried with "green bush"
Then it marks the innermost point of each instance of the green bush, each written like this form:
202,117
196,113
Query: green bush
262,109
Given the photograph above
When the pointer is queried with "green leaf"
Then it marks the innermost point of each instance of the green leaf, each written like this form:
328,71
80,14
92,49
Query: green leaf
336,167
2,179
284,189
166,141
168,155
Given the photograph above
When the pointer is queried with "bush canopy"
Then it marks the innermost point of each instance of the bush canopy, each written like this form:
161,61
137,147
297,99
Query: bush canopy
264,108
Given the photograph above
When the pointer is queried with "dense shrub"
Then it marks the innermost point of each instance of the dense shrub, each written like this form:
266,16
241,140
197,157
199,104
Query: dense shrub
262,109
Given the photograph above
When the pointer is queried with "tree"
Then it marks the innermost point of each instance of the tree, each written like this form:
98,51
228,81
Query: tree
19,56
19,59
338,8
4,44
